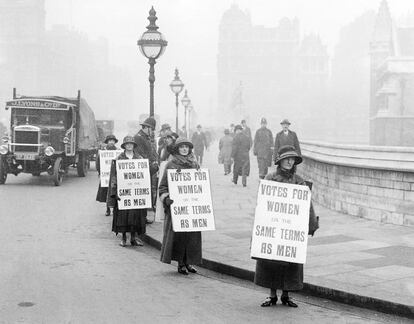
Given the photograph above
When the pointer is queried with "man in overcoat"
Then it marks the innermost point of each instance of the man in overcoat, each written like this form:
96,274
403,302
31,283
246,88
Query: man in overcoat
240,155
200,142
285,137
262,148
225,146
246,131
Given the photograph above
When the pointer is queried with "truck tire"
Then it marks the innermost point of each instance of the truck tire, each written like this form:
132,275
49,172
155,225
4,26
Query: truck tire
3,171
82,165
58,172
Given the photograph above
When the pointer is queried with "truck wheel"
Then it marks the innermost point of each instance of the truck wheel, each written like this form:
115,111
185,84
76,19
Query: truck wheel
82,165
58,172
3,171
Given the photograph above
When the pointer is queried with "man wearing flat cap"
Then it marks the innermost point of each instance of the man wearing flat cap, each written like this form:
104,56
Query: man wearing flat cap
286,137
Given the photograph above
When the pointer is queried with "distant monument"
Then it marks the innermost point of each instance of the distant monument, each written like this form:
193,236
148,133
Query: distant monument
392,82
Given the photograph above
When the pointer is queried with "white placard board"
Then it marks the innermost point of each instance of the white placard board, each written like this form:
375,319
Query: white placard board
192,210
105,160
133,184
280,230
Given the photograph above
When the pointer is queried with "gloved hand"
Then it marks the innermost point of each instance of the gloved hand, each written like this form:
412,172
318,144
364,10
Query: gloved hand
168,202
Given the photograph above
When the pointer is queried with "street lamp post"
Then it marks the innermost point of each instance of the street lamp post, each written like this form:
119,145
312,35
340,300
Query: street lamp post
185,101
176,86
152,45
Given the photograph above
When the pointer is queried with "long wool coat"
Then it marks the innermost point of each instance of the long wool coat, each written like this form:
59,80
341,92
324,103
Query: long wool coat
102,193
240,153
263,142
225,146
131,220
183,247
280,274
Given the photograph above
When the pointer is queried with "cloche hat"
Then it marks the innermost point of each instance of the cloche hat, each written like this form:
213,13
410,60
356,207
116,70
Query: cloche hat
110,137
181,141
287,151
128,139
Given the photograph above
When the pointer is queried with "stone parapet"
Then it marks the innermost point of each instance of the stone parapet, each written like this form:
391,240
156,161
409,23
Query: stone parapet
373,182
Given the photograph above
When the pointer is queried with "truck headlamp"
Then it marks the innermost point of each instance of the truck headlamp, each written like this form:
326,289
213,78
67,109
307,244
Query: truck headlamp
4,149
66,140
49,151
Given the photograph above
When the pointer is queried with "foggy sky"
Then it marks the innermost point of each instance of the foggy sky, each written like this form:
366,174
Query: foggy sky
191,28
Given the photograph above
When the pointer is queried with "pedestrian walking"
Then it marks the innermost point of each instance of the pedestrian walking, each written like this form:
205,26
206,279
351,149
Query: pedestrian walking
247,131
225,147
200,142
130,220
286,137
240,156
183,247
285,276
262,148
147,150
102,193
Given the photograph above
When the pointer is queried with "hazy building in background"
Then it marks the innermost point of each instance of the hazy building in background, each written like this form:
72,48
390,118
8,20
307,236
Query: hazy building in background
58,61
392,82
270,72
349,89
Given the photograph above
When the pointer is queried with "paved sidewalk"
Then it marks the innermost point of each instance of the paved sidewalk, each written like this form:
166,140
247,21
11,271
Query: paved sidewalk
347,253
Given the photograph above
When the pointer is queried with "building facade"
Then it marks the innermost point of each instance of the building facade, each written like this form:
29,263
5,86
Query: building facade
392,82
269,71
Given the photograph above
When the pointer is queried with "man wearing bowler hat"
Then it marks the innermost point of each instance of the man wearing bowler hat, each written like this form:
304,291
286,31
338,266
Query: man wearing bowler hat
286,137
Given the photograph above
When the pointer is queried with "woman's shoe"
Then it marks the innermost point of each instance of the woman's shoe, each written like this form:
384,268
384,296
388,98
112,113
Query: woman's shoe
182,270
269,301
134,242
287,301
123,243
190,268
108,212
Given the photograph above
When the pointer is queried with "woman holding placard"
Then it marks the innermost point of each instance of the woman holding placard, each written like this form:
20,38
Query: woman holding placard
130,220
183,247
285,276
102,193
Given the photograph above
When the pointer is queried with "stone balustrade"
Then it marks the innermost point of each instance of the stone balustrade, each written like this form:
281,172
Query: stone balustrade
373,182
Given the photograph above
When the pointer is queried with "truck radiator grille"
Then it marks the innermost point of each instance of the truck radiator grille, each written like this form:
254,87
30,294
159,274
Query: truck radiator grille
26,137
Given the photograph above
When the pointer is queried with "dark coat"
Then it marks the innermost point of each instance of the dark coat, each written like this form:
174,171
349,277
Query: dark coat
102,193
199,141
131,220
282,140
183,247
225,147
240,153
263,142
145,149
280,274
246,131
